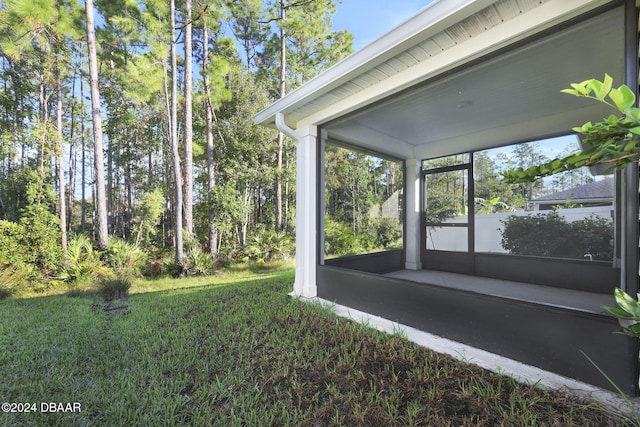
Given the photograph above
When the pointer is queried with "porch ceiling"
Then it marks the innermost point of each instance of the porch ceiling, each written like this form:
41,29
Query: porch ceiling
413,93
512,97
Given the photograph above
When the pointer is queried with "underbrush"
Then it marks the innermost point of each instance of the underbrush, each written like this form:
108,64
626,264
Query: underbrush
236,350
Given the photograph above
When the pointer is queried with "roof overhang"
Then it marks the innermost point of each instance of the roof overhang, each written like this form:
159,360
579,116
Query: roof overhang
461,67
577,201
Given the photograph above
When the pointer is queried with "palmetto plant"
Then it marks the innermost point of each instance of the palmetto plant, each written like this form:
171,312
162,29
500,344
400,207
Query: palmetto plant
114,288
82,263
269,246
198,262
124,257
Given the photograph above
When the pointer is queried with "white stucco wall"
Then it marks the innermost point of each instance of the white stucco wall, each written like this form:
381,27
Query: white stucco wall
487,226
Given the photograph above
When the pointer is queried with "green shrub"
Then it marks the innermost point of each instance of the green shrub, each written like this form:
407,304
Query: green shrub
386,233
33,235
114,288
11,249
596,235
147,216
30,245
34,240
41,241
340,240
551,235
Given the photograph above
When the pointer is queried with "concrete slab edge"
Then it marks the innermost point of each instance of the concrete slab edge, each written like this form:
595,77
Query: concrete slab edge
517,370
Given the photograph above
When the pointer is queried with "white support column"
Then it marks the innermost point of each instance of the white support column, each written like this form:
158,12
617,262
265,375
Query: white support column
412,215
306,213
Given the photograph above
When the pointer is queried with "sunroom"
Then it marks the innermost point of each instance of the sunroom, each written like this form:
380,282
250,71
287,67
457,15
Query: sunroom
427,116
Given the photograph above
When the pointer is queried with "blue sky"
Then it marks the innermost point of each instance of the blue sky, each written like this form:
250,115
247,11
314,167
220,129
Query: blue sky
369,19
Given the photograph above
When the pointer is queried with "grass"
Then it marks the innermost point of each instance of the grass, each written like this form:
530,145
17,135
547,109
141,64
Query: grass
235,350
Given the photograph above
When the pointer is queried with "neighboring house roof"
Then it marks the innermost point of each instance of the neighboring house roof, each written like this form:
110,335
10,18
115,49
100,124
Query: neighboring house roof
434,44
596,191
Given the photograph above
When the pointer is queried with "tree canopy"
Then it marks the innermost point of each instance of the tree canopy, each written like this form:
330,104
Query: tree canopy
177,107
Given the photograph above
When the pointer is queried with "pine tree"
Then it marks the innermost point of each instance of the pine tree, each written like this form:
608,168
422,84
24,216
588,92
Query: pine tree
188,120
43,32
101,201
303,30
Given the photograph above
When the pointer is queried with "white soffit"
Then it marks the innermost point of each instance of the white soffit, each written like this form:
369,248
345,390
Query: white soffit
444,35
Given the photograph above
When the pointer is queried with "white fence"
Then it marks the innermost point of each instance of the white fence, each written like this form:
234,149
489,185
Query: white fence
488,229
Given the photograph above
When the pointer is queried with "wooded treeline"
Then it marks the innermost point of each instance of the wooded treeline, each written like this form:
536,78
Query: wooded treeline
182,167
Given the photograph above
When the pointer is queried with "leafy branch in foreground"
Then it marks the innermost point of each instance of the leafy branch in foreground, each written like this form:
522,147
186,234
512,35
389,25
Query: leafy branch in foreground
615,141
627,310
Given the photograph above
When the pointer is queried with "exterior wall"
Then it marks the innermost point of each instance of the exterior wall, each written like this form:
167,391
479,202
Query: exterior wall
487,237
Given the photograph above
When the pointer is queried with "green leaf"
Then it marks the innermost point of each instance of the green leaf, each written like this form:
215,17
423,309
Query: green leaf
571,160
580,88
623,297
532,170
629,146
627,303
618,312
634,113
623,97
595,86
612,120
629,96
570,92
584,128
606,86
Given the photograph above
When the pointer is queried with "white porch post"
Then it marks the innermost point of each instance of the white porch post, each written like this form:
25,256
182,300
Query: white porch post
412,214
306,213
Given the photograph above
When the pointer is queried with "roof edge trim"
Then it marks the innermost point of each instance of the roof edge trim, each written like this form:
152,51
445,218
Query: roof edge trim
435,13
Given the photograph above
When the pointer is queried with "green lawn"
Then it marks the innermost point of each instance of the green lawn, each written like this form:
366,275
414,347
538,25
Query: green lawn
236,350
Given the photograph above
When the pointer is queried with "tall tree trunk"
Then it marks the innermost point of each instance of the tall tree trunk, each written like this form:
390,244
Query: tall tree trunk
128,199
83,214
174,144
43,119
280,139
211,166
112,216
188,122
72,156
60,154
101,202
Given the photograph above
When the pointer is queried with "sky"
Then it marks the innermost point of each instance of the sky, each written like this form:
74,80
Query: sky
369,19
